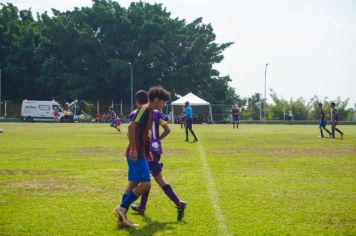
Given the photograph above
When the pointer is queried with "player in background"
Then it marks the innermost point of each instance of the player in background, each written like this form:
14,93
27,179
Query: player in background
235,112
290,116
189,122
335,121
322,124
156,166
115,120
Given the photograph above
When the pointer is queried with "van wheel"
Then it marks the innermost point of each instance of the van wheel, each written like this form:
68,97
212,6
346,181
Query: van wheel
29,119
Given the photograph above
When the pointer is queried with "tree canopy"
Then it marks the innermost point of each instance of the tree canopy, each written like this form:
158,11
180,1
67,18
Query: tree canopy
85,53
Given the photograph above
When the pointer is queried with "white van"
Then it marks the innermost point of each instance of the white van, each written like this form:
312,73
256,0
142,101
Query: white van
40,110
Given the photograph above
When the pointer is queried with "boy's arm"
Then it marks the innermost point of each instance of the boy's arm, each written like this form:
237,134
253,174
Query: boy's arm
132,140
166,131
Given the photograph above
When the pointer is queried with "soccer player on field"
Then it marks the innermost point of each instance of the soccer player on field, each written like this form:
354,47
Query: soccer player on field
335,121
115,120
235,112
189,122
137,154
156,167
322,124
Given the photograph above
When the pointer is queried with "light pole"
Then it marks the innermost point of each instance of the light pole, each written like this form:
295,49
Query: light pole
131,85
265,102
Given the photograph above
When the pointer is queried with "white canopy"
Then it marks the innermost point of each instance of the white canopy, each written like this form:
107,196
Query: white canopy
193,101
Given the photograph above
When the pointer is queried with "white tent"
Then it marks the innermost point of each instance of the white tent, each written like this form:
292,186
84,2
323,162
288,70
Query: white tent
193,101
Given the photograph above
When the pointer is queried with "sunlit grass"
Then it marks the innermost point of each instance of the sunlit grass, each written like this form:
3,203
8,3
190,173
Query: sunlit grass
64,179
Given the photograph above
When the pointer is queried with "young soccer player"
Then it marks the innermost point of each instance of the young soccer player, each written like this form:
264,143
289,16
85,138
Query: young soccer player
322,124
235,112
156,167
137,154
115,120
189,122
335,121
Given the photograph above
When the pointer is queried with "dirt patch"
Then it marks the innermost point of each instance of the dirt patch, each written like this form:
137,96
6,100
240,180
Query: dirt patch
50,185
8,172
101,151
316,152
176,152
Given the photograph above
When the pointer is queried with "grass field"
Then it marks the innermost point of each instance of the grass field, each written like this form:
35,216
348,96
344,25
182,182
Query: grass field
65,179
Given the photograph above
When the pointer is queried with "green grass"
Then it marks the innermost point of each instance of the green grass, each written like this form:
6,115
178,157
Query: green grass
65,179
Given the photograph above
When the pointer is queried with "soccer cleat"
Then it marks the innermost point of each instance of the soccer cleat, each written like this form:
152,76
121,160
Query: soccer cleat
122,220
137,209
342,136
195,140
180,210
186,140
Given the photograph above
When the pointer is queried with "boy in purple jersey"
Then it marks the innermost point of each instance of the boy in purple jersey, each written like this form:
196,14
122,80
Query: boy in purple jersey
156,167
115,120
335,121
322,124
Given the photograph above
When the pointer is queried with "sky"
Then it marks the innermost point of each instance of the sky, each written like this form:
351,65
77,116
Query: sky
309,45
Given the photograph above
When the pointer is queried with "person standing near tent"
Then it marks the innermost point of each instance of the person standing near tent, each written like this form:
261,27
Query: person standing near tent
189,122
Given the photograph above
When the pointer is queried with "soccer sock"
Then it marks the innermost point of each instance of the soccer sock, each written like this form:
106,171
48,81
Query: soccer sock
144,199
124,196
186,133
131,197
195,137
339,131
327,131
171,194
321,133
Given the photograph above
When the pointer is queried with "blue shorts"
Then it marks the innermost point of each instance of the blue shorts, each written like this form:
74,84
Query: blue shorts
236,119
322,124
138,170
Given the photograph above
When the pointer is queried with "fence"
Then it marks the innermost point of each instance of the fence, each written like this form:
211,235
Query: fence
221,113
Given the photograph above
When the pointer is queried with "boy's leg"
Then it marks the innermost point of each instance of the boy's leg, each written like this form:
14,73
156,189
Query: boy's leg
321,132
168,190
186,133
191,131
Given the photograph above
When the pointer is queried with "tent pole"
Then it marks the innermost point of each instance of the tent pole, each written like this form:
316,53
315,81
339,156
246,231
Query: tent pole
211,114
172,114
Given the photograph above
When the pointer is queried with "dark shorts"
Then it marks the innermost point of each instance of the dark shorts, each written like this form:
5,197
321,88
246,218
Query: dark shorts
289,118
189,123
138,170
236,119
155,166
322,124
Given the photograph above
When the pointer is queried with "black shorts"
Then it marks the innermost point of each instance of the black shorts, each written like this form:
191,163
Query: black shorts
189,123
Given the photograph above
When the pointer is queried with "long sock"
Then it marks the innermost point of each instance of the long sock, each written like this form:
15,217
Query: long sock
195,137
171,194
144,199
339,131
333,133
124,196
327,131
186,134
321,133
131,197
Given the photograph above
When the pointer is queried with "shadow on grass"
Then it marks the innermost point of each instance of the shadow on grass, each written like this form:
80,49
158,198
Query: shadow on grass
151,227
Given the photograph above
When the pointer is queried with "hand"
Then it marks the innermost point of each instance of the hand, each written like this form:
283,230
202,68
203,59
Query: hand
133,154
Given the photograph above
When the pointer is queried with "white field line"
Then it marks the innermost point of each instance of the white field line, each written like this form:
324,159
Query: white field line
222,227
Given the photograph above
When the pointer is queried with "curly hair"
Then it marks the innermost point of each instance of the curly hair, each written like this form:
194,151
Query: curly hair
158,92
